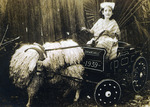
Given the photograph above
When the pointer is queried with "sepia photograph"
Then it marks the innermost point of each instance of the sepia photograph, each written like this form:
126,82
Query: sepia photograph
74,53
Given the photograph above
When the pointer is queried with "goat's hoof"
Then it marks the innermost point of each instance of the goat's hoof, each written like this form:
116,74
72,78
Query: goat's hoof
76,99
27,105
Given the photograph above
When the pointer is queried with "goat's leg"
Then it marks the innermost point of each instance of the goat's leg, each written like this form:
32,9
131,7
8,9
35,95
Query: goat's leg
77,95
67,92
31,94
33,88
29,101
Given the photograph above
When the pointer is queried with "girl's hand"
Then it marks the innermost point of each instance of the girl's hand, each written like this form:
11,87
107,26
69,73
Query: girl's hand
114,35
83,28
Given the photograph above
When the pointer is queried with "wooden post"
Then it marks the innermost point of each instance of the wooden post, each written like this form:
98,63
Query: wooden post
3,4
47,20
57,19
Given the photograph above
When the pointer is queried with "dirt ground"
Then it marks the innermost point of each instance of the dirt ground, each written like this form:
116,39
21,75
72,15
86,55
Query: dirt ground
52,97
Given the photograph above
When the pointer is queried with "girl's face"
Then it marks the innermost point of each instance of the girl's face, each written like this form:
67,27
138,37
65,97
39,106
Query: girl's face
107,12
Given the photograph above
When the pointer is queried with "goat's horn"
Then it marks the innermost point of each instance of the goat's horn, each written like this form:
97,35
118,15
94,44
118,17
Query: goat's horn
40,52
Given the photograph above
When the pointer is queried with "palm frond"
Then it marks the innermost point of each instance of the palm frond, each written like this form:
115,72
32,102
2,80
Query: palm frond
132,11
141,29
91,8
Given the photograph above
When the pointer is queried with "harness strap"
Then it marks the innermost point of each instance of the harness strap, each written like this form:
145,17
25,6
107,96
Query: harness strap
72,78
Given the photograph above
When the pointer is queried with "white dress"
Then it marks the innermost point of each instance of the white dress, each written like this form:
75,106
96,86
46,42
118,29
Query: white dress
107,42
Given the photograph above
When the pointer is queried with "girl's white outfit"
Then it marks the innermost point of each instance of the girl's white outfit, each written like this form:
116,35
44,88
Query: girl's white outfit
104,41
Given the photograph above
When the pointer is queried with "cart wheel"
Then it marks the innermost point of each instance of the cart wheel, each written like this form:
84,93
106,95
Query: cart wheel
139,74
107,92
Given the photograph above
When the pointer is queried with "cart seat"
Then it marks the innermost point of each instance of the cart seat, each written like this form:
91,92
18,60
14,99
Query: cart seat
124,47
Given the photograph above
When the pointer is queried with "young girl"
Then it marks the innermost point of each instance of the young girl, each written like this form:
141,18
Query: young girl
106,31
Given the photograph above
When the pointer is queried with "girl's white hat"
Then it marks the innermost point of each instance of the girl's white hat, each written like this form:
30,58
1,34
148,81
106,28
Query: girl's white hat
104,4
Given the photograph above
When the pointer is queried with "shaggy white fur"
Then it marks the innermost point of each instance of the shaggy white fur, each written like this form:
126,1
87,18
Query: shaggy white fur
65,62
74,71
58,58
22,64
54,58
72,55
